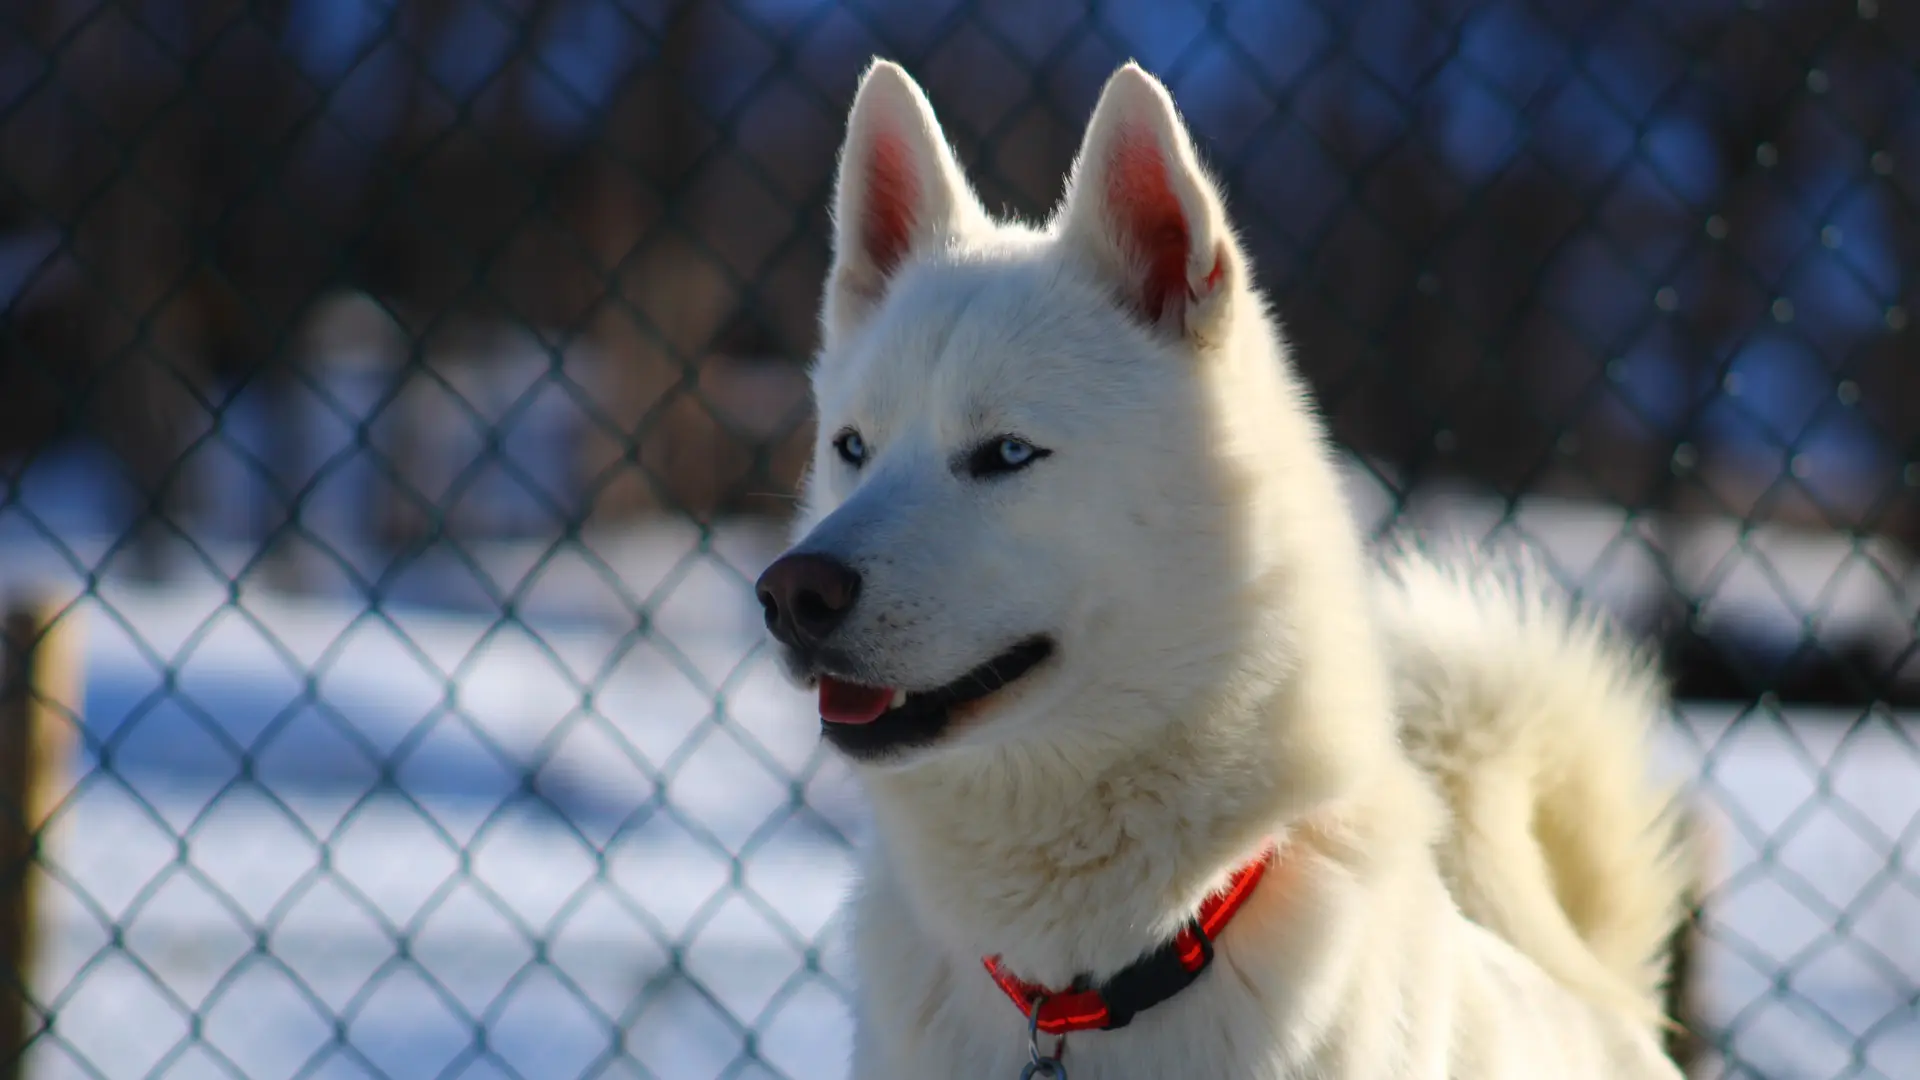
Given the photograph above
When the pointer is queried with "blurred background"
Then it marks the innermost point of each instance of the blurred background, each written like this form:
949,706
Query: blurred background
398,398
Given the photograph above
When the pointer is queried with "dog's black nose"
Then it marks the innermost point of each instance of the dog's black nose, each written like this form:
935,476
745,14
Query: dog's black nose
805,596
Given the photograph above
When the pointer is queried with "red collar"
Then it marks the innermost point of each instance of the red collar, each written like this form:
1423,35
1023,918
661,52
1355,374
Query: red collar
1147,981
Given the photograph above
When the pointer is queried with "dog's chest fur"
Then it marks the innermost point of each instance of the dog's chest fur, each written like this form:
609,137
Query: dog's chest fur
1284,997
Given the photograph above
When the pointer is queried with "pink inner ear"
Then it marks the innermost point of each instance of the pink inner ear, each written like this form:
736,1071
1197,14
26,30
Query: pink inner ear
891,190
1148,218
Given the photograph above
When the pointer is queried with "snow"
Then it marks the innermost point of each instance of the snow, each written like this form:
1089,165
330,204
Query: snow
1813,926
666,885
319,790
544,809
383,829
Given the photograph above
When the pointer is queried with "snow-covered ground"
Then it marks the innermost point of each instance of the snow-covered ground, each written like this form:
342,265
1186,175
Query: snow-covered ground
385,831
319,842
318,791
1812,959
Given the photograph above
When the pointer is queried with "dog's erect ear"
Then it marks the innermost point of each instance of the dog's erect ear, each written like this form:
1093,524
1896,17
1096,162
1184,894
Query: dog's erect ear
900,192
1142,212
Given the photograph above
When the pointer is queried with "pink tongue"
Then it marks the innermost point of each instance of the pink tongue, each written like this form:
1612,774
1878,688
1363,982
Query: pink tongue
846,703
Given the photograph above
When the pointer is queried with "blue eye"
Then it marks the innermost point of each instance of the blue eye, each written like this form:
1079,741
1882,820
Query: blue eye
851,447
1003,455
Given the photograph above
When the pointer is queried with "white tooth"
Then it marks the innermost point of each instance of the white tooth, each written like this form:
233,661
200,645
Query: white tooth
899,699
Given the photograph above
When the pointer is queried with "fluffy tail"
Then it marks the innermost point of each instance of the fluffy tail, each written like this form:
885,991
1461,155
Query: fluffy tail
1532,718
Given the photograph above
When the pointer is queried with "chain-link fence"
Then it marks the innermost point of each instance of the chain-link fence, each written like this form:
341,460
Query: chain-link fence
398,397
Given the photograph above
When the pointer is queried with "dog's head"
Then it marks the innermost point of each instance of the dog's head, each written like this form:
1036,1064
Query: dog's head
1022,474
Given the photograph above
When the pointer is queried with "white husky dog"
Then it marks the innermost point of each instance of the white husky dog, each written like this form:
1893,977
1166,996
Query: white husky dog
1169,779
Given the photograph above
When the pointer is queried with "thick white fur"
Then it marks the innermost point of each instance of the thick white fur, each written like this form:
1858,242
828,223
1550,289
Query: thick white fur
1231,668
1532,717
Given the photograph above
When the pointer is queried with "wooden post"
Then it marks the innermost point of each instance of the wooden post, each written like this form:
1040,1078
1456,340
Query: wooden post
1687,1042
39,699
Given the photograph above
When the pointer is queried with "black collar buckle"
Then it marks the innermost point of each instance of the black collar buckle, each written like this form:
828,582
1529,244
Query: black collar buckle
1153,978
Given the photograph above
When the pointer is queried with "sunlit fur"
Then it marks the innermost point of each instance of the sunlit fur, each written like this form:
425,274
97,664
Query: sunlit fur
1232,666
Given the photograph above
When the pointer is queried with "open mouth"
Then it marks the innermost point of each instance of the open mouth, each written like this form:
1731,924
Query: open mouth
868,721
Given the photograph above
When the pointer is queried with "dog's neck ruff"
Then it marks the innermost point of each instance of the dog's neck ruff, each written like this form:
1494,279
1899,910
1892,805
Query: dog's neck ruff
1146,982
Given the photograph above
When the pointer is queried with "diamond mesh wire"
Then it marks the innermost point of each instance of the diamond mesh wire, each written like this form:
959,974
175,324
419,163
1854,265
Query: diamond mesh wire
403,395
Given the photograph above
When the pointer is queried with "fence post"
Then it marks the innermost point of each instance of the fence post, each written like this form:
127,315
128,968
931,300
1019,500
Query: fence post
39,688
1686,1041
